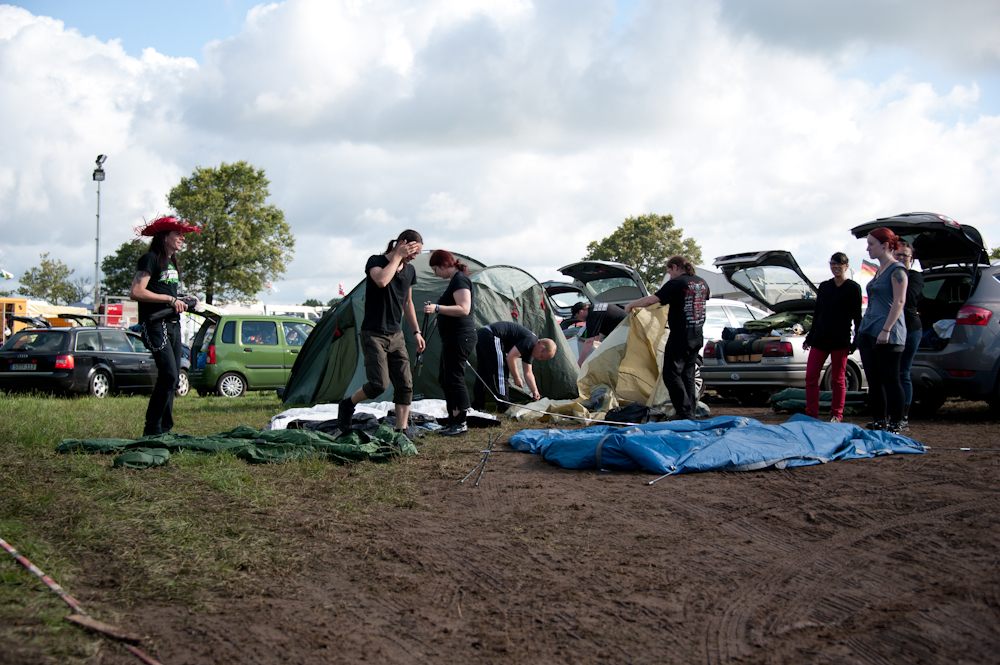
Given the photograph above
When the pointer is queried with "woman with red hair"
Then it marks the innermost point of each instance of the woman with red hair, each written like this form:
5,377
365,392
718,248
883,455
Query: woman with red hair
458,336
882,335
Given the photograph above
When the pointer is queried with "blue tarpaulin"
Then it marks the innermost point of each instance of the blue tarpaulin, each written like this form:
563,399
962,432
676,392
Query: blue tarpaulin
729,443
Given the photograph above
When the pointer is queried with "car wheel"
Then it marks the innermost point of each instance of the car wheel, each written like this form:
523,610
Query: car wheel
231,384
699,383
183,386
754,396
926,401
852,378
100,384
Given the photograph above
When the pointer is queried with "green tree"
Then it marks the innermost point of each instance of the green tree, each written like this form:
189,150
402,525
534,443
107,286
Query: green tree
995,253
50,281
119,268
646,243
336,300
244,241
312,302
83,288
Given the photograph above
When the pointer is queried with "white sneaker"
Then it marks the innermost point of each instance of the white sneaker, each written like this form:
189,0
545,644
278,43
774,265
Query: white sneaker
835,419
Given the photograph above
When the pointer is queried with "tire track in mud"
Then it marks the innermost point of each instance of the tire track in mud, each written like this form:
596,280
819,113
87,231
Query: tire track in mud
725,637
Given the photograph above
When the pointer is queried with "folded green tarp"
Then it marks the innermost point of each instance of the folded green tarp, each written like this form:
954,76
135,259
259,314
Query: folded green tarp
263,446
143,458
793,400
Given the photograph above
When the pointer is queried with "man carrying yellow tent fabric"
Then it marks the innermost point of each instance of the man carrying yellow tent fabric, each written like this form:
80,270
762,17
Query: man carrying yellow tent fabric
686,294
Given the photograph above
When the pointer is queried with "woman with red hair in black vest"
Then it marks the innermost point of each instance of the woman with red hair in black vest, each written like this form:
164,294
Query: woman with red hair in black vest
882,335
458,336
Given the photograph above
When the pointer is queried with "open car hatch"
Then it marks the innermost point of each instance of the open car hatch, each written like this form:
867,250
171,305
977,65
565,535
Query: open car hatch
773,278
937,240
607,281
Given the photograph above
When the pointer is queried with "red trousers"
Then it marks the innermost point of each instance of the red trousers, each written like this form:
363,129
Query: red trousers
814,369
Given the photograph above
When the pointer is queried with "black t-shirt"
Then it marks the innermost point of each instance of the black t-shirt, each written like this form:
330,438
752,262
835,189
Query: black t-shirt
160,281
914,288
603,318
384,307
686,296
454,325
515,335
836,308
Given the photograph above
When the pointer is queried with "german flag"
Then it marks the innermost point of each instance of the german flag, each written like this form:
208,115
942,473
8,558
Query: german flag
868,269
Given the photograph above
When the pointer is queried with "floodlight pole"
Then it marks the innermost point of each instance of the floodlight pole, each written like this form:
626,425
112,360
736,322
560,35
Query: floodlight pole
98,176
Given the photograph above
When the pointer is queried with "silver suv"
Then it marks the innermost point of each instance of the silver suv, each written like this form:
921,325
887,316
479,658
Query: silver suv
961,294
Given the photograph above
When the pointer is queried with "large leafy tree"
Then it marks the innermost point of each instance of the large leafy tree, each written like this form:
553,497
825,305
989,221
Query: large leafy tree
244,243
119,268
646,243
49,281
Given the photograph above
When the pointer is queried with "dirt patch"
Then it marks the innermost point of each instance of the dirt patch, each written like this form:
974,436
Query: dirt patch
868,561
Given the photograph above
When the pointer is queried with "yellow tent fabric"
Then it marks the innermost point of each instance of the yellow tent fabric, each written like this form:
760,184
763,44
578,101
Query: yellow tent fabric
601,366
548,410
630,361
642,363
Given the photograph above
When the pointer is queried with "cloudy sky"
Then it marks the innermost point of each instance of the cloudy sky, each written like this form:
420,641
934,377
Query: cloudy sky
514,131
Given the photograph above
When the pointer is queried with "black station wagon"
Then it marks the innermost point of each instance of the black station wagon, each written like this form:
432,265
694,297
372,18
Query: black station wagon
81,359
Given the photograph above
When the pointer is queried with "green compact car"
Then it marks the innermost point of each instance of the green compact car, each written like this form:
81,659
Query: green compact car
236,353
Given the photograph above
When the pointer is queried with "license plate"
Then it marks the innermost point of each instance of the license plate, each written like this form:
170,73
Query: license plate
21,367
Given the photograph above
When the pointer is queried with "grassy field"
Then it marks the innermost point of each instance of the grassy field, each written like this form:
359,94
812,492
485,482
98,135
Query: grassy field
203,523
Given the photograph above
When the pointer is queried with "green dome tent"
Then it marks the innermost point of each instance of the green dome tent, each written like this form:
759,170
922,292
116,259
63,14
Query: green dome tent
330,365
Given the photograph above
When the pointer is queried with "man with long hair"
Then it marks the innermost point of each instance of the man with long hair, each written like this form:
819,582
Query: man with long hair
155,289
389,280
686,294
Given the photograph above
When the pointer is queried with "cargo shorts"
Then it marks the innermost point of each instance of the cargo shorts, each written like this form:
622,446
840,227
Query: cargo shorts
386,360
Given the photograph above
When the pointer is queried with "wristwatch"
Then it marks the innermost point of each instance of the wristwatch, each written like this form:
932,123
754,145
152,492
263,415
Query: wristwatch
437,308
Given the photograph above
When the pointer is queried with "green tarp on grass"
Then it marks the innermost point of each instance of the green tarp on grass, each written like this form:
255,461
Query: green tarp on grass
259,446
793,400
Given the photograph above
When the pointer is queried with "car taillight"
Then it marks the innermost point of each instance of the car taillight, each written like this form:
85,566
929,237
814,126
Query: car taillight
970,315
211,354
64,362
962,373
709,351
778,349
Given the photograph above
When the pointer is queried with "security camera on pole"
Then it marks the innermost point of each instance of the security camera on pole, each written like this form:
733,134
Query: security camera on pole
98,176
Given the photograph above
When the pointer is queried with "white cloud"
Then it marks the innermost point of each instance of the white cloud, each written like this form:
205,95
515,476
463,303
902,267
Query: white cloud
513,132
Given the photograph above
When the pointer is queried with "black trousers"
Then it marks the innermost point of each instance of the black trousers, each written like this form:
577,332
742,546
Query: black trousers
680,358
885,389
455,351
164,341
491,365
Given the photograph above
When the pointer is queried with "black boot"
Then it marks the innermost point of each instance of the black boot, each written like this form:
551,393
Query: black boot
892,426
876,425
345,414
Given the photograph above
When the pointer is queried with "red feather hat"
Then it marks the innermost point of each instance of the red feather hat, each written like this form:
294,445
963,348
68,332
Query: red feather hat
167,224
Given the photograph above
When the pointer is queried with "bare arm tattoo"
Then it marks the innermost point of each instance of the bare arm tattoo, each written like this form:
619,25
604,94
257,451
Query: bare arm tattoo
139,276
898,276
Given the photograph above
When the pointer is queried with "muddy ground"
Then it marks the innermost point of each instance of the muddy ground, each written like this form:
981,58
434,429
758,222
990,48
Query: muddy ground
892,560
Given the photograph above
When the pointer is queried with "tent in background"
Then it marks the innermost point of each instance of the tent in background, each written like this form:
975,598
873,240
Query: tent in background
330,364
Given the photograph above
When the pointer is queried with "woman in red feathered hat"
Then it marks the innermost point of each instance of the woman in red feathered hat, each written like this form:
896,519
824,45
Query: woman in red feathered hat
155,289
